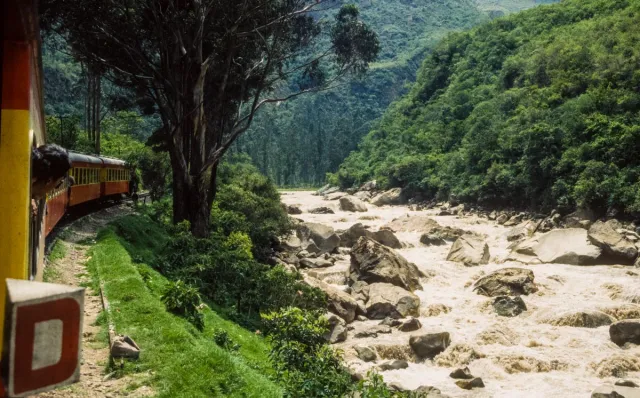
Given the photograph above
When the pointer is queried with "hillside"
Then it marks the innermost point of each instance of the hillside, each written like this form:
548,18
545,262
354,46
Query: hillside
300,141
536,110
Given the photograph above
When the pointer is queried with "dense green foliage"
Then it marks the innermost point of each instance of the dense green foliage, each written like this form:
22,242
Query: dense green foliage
184,300
305,364
536,110
174,355
298,142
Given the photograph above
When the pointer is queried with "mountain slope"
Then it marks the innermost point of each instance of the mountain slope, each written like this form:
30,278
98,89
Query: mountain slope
537,110
299,141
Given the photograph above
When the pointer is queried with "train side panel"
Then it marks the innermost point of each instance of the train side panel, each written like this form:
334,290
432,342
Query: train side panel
57,203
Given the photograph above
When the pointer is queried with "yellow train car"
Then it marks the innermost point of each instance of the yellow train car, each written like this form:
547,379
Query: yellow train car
41,323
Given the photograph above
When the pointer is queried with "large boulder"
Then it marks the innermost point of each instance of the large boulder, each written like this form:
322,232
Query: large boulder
390,197
369,186
373,262
429,345
609,391
293,209
337,331
626,331
315,263
334,195
385,237
364,196
322,210
352,204
387,300
322,235
469,250
509,306
562,246
522,231
615,248
366,353
338,302
506,282
408,223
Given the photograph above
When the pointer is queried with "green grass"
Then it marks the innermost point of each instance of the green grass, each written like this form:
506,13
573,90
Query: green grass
51,273
179,361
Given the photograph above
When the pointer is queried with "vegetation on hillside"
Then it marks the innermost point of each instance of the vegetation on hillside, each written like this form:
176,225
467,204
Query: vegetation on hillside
298,142
536,110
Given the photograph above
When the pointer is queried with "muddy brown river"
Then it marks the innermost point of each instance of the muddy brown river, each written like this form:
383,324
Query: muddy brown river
516,357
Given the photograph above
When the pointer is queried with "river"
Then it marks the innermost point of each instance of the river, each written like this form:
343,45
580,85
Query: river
520,356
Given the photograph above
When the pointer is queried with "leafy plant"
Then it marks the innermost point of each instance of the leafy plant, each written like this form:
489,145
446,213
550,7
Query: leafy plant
222,339
184,300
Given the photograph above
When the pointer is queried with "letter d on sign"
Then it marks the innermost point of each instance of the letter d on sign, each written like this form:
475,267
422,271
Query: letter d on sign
43,336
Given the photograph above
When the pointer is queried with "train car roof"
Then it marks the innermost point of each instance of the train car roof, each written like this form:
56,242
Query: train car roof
79,157
112,161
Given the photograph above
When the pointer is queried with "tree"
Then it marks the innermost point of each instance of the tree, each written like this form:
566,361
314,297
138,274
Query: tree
209,66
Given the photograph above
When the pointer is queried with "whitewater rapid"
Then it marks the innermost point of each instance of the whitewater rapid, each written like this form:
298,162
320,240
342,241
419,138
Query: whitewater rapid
515,357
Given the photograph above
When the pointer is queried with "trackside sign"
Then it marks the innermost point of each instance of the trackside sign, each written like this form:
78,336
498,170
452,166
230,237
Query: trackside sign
42,337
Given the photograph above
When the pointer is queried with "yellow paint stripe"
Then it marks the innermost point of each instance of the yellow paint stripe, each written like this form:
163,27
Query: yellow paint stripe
15,202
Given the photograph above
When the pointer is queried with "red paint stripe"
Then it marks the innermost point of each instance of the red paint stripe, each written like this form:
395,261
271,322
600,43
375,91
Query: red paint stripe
15,75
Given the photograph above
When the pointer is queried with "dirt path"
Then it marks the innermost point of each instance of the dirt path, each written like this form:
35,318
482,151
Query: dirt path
71,270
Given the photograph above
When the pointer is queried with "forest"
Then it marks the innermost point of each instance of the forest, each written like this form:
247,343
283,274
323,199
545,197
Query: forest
298,142
537,110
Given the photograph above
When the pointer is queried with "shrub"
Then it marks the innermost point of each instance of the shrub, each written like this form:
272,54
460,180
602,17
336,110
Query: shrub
222,339
305,364
184,300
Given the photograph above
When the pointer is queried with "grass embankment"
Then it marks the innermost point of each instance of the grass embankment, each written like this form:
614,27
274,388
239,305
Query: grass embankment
180,361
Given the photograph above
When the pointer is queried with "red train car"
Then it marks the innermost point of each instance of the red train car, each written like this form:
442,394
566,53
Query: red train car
93,178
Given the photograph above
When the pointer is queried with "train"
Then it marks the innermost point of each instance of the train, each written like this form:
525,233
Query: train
41,323
91,179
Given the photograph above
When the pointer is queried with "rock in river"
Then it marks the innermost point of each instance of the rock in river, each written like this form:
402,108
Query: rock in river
387,300
372,262
562,246
338,302
365,353
627,331
323,236
469,250
509,306
506,282
429,345
390,197
352,204
614,245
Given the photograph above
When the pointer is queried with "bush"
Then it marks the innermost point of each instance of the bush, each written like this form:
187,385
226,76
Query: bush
184,300
222,339
305,364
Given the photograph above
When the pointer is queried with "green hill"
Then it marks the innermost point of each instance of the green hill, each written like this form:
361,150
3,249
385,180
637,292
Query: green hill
300,141
537,110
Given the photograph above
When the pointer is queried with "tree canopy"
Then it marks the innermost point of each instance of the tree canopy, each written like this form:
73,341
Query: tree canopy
208,66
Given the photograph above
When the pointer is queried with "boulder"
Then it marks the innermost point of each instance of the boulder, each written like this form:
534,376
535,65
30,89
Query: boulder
461,373
562,246
432,240
352,204
390,197
293,209
373,332
369,186
581,319
581,218
365,353
410,325
322,210
315,263
626,383
615,248
626,331
322,190
364,196
372,262
506,282
502,219
393,365
330,190
469,250
334,195
429,345
523,231
292,243
509,306
428,392
323,236
124,347
360,291
387,300
391,322
615,392
476,382
338,302
337,333
386,237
